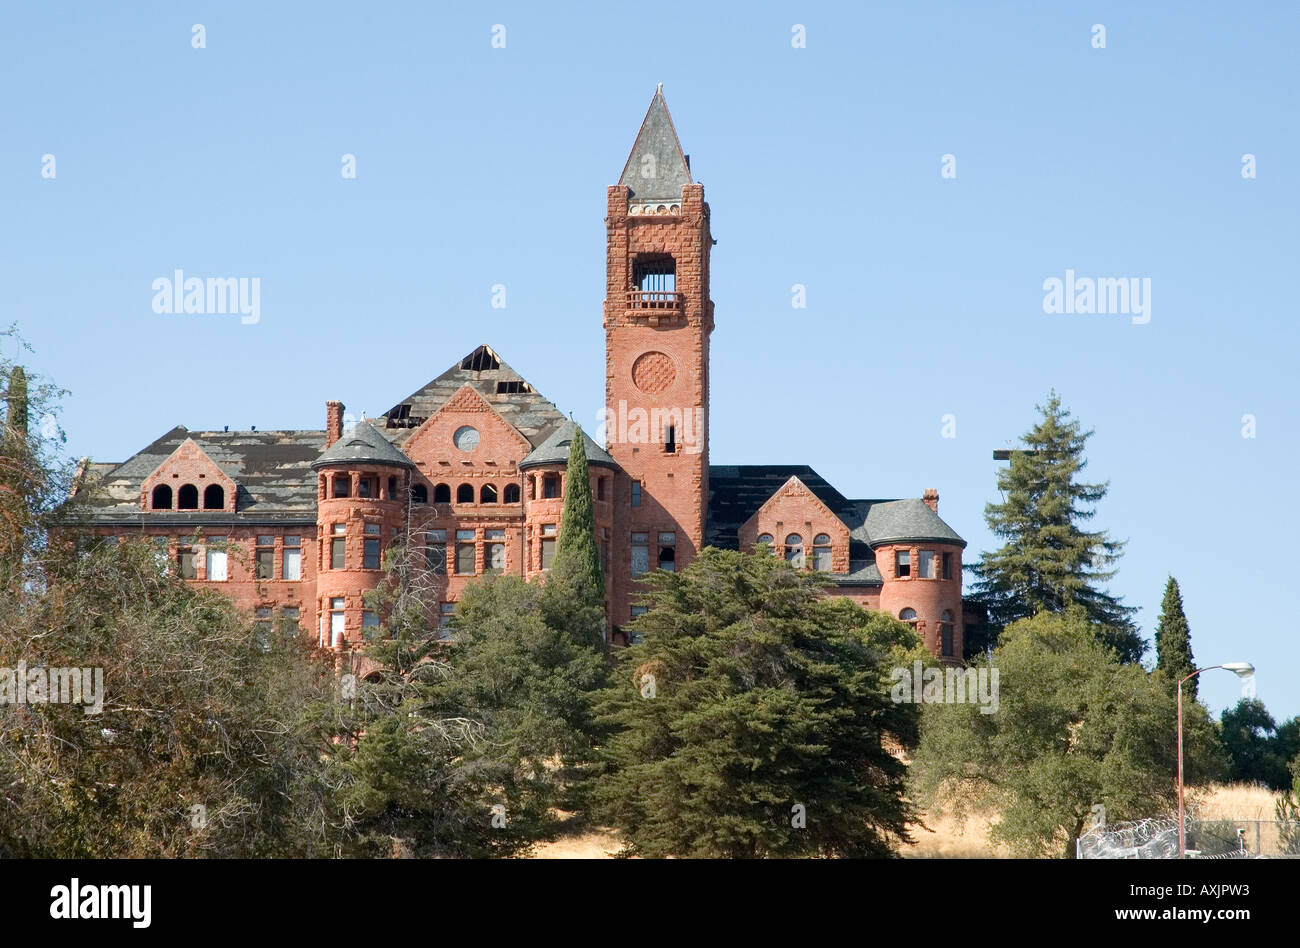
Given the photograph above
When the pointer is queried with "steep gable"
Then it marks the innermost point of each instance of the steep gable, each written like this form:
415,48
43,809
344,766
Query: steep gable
495,442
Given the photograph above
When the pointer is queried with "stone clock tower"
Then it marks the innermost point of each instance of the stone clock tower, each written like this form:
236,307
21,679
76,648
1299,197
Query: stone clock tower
658,318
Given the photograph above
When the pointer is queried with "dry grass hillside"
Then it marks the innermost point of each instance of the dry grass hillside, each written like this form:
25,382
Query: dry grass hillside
945,839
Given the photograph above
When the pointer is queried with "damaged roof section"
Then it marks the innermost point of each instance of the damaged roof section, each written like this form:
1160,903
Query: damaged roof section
271,468
736,492
517,401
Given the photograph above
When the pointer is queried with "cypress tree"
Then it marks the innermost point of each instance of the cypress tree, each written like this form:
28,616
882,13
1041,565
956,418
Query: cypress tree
577,583
16,414
1049,561
1174,640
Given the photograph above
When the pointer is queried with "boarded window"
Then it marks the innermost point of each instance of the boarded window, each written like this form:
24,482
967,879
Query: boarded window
186,562
216,564
496,550
640,554
925,564
291,568
822,552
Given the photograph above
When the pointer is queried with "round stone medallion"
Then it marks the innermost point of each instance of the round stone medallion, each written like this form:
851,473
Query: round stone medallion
653,372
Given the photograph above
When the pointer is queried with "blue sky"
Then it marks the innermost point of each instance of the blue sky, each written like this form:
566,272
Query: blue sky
479,165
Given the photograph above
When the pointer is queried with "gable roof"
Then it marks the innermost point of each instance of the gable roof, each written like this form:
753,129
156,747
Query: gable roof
555,449
517,401
362,444
271,468
657,140
736,492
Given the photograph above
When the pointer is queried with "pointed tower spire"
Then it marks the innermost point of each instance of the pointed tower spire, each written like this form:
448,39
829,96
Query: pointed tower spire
656,169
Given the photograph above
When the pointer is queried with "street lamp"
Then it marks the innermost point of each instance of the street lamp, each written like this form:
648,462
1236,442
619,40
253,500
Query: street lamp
1241,670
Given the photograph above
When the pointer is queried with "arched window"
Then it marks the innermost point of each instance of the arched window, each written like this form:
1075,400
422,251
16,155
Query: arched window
794,550
487,494
512,494
945,634
342,484
441,494
822,552
768,539
162,497
214,497
187,498
419,494
465,494
908,616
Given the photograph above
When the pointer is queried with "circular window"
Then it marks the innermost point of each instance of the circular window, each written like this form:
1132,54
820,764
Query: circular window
466,438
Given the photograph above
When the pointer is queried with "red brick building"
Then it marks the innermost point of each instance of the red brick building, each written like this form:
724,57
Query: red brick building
293,524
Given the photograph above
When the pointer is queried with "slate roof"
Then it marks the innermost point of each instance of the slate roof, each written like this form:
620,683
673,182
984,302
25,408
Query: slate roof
272,469
736,492
555,449
658,139
362,443
487,373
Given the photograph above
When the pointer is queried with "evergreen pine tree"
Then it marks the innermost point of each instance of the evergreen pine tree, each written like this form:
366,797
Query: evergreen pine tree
1174,641
753,718
1049,561
576,597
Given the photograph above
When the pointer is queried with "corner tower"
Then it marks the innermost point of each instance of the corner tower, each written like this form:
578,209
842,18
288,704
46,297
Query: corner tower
658,318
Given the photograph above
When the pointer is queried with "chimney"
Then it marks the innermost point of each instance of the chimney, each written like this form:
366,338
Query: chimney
333,422
931,498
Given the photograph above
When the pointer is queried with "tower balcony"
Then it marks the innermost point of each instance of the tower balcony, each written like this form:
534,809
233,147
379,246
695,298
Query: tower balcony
655,306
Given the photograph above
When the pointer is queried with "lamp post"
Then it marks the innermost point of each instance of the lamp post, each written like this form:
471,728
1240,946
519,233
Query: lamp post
1241,670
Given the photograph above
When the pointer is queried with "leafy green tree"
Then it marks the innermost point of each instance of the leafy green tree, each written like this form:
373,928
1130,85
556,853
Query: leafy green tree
1259,748
1174,640
575,600
1049,562
196,749
1073,728
753,718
